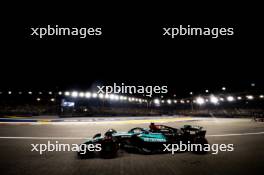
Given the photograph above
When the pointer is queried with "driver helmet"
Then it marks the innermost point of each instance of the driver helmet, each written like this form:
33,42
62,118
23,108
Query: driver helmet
110,132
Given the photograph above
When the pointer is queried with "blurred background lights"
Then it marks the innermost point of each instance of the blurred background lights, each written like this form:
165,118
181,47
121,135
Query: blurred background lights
101,96
200,100
230,98
81,94
94,95
106,96
156,101
88,95
213,99
250,97
74,94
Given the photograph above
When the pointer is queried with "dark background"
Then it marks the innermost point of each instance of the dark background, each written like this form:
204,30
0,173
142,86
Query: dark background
132,49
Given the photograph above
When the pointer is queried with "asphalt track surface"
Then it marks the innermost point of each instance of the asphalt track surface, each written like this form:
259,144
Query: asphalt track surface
17,158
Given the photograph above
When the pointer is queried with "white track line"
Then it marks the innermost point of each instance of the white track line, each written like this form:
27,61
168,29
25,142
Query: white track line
83,138
47,138
240,134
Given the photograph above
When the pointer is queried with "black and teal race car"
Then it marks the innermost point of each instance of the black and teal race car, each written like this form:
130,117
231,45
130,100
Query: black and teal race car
146,141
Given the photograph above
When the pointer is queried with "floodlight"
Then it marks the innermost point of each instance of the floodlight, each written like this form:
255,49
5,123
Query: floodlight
74,94
116,97
222,99
200,100
29,92
67,93
239,98
60,93
250,97
156,101
206,90
101,96
261,96
175,101
81,94
52,99
169,101
223,88
88,95
182,101
106,96
214,99
94,95
38,99
230,98
9,92
50,92
112,97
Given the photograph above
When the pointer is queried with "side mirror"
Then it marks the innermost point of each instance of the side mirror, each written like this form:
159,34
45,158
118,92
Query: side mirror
97,135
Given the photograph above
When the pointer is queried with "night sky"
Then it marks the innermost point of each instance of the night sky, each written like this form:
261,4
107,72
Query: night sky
132,49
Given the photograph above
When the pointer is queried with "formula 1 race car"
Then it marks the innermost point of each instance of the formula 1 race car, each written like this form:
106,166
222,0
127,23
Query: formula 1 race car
146,141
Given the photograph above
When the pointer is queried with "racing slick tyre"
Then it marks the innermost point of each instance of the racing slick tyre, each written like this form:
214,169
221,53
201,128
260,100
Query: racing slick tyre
109,149
81,154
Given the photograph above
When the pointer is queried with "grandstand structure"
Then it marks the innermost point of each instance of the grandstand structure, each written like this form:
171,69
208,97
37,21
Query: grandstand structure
85,104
